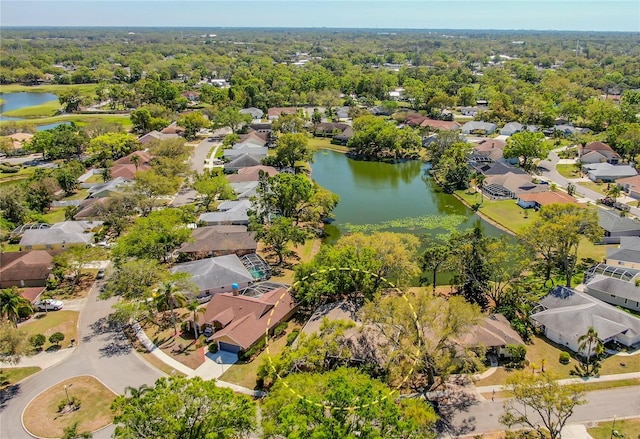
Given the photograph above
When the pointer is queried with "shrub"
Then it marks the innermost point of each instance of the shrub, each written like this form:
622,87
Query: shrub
278,330
564,357
518,353
213,348
292,336
37,341
246,355
56,338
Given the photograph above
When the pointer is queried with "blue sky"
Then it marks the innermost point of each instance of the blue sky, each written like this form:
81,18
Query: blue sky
615,15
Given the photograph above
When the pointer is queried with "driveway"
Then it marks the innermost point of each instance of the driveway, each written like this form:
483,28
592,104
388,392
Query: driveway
104,352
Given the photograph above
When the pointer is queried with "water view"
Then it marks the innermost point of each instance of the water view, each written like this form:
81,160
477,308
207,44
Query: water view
399,197
15,101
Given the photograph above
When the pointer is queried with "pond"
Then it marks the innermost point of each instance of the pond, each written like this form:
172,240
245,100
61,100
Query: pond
15,101
400,197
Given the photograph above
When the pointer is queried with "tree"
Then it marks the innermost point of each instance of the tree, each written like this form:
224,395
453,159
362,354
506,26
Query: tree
134,279
292,148
230,117
506,261
13,305
12,343
424,323
74,259
111,146
168,296
556,235
71,432
37,341
325,410
435,257
67,176
614,191
56,338
452,170
479,179
11,206
548,402
385,255
525,145
288,124
192,123
155,236
70,100
181,408
61,142
195,308
278,234
284,194
591,348
212,186
152,186
40,190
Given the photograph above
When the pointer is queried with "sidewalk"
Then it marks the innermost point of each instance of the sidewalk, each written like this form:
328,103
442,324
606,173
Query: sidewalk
214,364
42,360
605,378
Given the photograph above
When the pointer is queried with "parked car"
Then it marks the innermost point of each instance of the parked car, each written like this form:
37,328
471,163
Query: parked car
48,305
100,274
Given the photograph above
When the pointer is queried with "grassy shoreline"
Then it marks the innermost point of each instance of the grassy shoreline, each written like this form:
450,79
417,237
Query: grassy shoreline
85,89
79,119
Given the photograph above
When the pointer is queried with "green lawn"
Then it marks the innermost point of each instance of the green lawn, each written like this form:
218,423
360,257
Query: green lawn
568,171
53,321
85,89
22,173
12,375
95,178
244,374
54,215
47,109
598,187
325,143
81,194
628,429
79,119
504,212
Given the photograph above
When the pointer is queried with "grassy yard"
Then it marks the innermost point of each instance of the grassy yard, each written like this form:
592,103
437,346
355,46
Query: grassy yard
568,171
41,417
601,188
504,212
47,109
55,215
325,143
628,429
84,89
95,178
53,321
12,375
245,374
79,119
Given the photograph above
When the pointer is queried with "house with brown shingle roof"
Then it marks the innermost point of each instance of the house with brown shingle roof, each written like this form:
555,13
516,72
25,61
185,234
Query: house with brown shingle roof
275,112
494,333
173,129
126,168
597,152
440,125
538,199
25,268
218,241
252,173
631,185
241,321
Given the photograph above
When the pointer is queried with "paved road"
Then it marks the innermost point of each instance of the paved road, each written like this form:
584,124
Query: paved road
103,351
474,417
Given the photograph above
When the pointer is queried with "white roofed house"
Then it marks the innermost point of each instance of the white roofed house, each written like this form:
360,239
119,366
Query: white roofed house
607,173
60,235
565,315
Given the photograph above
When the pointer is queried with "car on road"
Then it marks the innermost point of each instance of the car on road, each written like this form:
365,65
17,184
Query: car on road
48,305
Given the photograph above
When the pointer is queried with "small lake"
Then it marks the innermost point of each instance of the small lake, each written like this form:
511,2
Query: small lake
15,101
375,192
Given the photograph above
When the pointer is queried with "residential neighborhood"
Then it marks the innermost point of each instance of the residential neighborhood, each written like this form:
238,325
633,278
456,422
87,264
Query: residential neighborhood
249,224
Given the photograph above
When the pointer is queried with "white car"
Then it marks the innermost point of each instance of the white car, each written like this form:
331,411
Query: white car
48,305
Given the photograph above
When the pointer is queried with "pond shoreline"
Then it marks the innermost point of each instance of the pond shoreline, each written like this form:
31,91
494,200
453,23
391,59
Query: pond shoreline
485,217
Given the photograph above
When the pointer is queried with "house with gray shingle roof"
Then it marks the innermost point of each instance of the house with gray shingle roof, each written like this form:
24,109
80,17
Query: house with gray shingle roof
215,275
475,127
565,315
102,190
255,113
59,235
616,226
229,213
607,173
617,292
243,161
627,255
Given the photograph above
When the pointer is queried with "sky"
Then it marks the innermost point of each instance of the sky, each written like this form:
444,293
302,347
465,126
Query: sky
602,15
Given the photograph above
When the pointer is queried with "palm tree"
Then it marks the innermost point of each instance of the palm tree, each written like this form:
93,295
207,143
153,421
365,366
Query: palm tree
135,159
193,306
592,347
137,392
13,305
480,179
614,191
168,297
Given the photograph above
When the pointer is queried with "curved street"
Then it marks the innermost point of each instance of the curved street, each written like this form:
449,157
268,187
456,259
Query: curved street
103,351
